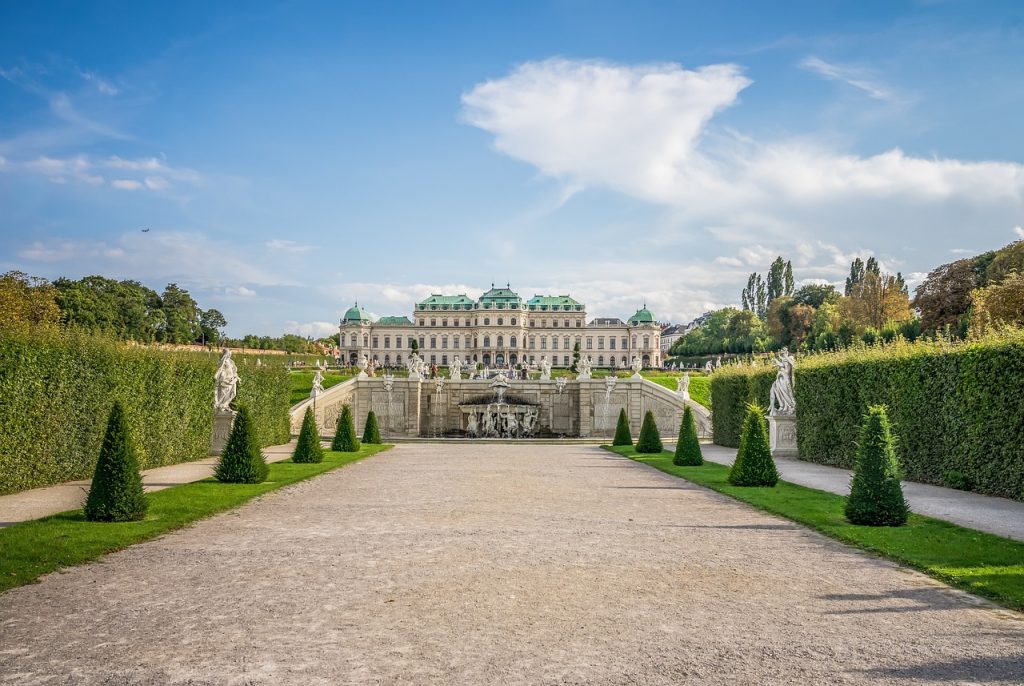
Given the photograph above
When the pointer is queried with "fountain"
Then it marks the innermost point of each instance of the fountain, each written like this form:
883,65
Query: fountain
500,416
389,387
609,386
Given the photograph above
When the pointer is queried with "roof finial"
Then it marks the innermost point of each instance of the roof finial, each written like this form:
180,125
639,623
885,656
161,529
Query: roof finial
508,285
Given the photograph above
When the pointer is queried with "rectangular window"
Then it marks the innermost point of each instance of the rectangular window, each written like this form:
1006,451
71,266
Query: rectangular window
600,342
625,342
590,343
433,359
374,341
455,342
387,341
611,343
398,341
444,359
543,342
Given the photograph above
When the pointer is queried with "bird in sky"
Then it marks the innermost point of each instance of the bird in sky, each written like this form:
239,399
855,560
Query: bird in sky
145,231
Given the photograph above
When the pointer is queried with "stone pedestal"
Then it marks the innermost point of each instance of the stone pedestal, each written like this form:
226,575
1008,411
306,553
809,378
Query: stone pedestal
222,423
782,432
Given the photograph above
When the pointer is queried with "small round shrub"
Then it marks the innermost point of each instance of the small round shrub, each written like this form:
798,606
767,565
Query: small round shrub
345,439
622,433
242,461
308,449
649,440
688,452
958,480
371,432
876,496
116,493
754,465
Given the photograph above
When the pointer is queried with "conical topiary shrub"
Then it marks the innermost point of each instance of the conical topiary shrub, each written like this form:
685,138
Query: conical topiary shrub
876,497
308,448
242,461
622,434
754,465
649,440
116,492
371,432
345,439
688,452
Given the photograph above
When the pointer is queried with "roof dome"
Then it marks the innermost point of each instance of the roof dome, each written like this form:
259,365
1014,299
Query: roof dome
356,314
642,316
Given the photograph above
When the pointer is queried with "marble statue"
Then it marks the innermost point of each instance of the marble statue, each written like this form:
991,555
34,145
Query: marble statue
318,385
560,384
439,384
415,367
545,369
718,362
782,400
363,363
708,367
455,370
371,368
683,385
227,383
637,365
471,425
583,368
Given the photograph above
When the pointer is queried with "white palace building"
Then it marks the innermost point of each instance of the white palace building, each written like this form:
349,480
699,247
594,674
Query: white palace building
499,329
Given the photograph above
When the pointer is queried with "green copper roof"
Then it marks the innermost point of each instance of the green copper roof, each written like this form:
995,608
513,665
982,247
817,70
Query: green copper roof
446,302
554,302
356,314
394,321
501,298
642,316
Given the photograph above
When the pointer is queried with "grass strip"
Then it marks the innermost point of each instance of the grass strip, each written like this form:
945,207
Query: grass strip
30,549
978,562
700,386
302,384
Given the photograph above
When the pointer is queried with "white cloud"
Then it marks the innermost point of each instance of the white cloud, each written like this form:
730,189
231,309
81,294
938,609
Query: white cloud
78,168
311,329
126,184
1019,230
856,77
101,84
279,245
153,174
240,291
648,132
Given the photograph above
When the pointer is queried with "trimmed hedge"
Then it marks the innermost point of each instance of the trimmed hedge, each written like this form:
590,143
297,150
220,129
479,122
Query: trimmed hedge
242,461
622,433
115,494
733,388
57,389
876,496
954,408
688,453
371,432
308,448
649,440
754,465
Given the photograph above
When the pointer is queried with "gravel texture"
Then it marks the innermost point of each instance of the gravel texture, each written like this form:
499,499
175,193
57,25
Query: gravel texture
500,564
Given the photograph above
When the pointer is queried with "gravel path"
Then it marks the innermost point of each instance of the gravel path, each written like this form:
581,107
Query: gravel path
464,564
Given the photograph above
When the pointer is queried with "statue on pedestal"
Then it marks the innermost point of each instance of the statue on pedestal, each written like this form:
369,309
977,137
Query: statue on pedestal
683,385
363,363
637,365
415,367
455,370
782,399
318,384
227,383
583,367
545,369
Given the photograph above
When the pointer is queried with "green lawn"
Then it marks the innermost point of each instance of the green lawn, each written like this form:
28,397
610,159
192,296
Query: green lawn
31,549
981,563
302,384
700,386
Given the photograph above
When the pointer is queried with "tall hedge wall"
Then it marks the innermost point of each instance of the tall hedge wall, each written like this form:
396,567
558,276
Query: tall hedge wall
954,408
56,390
732,389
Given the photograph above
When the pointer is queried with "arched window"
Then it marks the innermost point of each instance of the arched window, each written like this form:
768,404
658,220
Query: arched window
501,322
387,359
487,321
513,321
501,341
487,342
600,360
512,342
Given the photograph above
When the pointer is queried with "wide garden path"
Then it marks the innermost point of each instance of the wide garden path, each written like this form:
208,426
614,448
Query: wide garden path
999,516
467,564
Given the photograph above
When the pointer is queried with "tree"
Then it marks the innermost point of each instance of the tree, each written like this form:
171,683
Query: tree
688,452
116,494
649,440
26,301
816,295
788,283
622,433
876,496
242,461
855,277
308,449
776,279
182,315
575,358
999,304
345,439
754,465
413,345
944,297
371,432
877,300
211,324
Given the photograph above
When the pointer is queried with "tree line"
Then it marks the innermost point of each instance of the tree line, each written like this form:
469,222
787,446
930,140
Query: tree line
967,295
126,310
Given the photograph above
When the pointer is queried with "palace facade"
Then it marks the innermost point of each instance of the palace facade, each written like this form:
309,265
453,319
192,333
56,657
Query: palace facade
499,329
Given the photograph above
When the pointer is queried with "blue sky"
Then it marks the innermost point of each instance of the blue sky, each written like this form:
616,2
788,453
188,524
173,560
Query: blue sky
292,157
